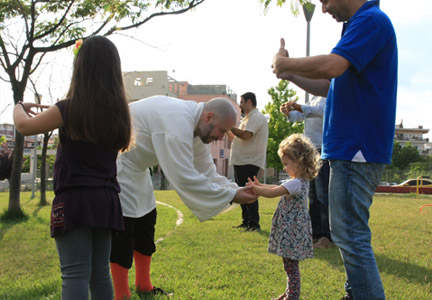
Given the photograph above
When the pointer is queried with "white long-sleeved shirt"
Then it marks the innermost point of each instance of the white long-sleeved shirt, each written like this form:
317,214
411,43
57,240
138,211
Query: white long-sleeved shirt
164,132
313,113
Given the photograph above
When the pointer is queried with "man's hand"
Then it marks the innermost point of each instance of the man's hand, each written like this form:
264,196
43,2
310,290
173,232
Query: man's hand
282,53
245,195
287,107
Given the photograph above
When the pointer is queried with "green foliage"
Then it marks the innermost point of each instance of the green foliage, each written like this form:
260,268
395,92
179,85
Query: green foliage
279,128
294,4
53,25
403,156
423,168
50,159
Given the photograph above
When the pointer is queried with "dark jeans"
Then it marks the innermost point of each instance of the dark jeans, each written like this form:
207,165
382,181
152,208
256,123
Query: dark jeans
84,262
318,202
250,214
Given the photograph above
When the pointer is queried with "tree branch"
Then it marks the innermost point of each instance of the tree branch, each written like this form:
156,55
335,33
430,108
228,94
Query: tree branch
183,10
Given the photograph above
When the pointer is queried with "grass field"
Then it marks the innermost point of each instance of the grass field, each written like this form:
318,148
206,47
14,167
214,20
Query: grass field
211,260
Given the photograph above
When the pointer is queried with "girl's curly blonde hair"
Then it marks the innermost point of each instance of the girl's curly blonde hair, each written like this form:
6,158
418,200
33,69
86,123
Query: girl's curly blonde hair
300,149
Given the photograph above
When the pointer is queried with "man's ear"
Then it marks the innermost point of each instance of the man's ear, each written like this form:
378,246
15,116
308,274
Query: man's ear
209,117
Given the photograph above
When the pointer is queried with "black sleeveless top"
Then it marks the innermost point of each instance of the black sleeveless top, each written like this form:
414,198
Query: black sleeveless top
85,185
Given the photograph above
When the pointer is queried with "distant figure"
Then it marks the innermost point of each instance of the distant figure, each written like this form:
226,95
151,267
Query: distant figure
94,124
174,134
312,113
248,154
359,79
291,232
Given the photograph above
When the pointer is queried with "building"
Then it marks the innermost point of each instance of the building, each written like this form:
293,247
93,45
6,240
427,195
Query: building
145,84
415,137
8,131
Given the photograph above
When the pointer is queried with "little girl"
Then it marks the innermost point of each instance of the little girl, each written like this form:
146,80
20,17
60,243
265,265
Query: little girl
291,232
94,125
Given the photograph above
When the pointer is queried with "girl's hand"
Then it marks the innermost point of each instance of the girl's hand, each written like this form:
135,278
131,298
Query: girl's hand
256,181
27,106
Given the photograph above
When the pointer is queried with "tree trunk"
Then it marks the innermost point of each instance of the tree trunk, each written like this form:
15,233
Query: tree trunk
15,180
43,200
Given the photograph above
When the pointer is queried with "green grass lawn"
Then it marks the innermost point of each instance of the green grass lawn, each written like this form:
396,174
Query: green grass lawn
211,260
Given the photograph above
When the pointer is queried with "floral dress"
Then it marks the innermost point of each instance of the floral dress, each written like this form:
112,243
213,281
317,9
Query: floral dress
291,232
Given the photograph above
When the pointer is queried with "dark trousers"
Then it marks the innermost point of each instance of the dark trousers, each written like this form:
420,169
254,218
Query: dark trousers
318,202
250,212
138,235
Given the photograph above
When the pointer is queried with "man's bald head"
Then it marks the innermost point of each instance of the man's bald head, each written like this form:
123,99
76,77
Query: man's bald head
218,117
222,109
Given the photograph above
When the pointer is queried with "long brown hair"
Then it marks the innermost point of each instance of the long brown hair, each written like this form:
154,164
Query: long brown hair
97,110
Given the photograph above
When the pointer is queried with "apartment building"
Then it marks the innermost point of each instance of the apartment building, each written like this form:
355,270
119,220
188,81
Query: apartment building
415,137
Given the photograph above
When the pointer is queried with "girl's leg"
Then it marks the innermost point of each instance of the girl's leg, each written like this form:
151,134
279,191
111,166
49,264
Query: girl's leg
100,281
74,250
292,270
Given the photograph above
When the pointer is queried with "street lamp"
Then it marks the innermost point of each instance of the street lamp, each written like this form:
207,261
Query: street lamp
267,117
308,11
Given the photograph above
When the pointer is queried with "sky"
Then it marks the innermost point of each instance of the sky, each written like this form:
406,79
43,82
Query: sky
233,42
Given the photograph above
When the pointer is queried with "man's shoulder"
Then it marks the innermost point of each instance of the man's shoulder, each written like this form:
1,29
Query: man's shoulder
256,114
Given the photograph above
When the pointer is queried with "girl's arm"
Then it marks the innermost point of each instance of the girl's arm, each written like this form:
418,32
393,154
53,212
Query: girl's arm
45,121
266,190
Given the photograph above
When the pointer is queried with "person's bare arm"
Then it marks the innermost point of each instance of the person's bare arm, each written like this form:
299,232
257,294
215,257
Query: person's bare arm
46,121
242,134
266,190
310,73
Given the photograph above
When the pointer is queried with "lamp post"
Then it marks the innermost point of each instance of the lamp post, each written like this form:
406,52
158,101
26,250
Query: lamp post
267,117
308,11
38,98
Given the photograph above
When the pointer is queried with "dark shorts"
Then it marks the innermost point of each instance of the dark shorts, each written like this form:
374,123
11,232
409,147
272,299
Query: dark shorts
138,235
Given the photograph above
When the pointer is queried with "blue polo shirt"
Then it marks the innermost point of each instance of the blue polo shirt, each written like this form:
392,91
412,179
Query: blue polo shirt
361,104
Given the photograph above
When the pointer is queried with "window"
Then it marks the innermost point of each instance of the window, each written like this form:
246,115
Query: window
138,82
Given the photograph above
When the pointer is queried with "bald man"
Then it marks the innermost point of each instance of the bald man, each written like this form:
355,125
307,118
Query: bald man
174,134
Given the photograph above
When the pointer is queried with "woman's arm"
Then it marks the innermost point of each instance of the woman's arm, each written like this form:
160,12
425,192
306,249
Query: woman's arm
42,122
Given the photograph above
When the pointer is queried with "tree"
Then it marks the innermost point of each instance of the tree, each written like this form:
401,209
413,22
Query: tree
403,156
294,4
279,128
31,29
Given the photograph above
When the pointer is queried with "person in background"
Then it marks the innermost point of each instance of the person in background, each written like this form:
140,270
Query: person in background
312,114
359,125
291,232
248,154
175,134
94,125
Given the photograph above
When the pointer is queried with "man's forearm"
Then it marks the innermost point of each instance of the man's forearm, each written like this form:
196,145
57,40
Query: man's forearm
242,134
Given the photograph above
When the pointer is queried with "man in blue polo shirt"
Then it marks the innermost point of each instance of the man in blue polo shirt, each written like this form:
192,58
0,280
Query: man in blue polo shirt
359,79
